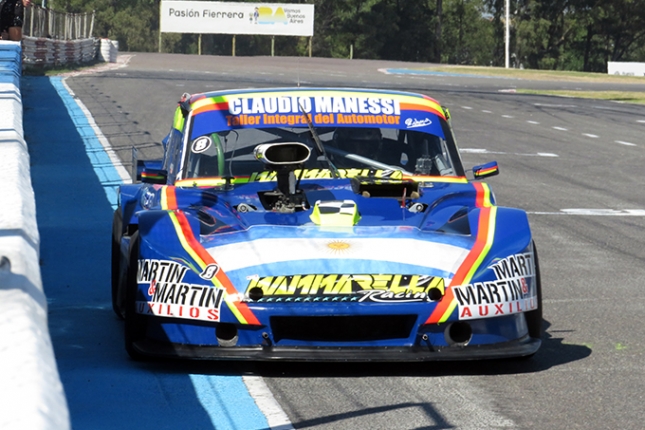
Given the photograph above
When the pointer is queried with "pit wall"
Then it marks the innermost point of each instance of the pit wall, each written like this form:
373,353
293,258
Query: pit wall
31,393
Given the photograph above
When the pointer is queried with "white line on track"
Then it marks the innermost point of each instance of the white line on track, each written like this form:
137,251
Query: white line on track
553,106
595,212
486,151
593,136
642,121
625,143
276,417
508,116
532,122
560,128
486,111
466,107
546,154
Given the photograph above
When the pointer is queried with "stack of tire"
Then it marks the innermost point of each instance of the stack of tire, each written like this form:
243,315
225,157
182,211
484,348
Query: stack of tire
109,50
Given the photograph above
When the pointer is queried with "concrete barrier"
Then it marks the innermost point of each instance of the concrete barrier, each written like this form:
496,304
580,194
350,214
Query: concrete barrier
31,394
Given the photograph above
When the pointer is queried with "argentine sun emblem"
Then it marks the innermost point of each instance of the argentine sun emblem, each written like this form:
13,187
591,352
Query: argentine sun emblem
339,247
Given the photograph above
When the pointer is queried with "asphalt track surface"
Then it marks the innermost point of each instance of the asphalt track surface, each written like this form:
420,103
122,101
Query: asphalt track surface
575,165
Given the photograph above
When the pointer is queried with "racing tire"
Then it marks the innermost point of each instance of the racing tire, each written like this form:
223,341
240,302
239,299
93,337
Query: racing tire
534,318
135,324
117,291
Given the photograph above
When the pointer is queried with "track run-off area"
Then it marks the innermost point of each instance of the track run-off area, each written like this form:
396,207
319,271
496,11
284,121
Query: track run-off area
575,165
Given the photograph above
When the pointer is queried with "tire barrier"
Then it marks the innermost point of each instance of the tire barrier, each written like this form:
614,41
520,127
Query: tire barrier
31,393
39,51
109,50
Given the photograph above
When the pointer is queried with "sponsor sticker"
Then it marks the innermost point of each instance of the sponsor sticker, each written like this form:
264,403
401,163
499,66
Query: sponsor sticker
514,290
311,288
288,110
209,272
201,144
319,104
270,176
414,123
170,296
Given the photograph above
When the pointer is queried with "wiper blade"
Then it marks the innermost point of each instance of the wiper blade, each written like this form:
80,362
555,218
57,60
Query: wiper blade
319,144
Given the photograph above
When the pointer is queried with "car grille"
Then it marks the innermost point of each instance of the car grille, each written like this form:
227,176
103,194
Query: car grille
342,328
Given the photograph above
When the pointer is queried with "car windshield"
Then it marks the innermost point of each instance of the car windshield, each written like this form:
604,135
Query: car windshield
230,153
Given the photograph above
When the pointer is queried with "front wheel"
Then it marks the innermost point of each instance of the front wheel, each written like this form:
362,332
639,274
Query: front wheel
117,282
135,323
534,318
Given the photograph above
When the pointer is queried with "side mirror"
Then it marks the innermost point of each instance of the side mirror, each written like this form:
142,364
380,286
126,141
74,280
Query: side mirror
486,170
154,176
149,172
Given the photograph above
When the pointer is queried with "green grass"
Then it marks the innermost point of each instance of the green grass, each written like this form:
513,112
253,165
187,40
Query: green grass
619,96
541,75
557,76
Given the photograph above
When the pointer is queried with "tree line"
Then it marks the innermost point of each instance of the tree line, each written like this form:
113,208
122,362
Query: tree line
581,35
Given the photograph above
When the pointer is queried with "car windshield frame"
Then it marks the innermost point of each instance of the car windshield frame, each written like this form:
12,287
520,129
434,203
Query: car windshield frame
229,153
359,129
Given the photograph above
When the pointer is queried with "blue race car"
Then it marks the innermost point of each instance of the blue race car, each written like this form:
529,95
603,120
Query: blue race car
311,224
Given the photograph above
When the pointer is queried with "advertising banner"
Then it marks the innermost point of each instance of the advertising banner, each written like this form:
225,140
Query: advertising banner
625,68
276,19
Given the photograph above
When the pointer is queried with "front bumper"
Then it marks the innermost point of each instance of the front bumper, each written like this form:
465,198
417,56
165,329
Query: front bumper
523,347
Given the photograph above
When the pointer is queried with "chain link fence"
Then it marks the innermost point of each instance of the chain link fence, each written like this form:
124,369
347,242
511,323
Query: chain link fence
41,22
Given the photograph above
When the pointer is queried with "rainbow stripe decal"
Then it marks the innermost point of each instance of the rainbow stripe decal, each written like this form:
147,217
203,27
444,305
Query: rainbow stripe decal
484,172
483,243
150,175
203,259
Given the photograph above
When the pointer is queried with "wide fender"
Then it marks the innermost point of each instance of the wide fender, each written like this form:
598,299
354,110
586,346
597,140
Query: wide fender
510,236
512,232
134,198
162,232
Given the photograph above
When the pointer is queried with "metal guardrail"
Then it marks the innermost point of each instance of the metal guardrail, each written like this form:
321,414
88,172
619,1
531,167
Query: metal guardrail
42,22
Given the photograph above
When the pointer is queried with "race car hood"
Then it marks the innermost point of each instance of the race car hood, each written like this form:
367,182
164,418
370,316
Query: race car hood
430,239
271,250
390,255
430,235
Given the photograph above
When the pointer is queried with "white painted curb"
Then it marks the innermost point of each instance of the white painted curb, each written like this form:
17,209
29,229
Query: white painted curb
31,393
